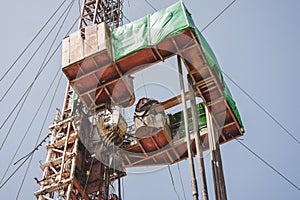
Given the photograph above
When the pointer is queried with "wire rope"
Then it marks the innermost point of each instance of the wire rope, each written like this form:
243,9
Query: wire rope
40,133
47,54
17,169
36,51
29,44
173,183
33,82
268,165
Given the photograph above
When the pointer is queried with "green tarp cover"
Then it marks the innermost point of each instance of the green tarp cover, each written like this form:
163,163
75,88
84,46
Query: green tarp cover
213,63
74,103
130,38
178,117
150,30
154,28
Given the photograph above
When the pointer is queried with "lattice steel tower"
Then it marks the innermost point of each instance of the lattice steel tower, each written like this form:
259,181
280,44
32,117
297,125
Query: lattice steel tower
97,11
71,172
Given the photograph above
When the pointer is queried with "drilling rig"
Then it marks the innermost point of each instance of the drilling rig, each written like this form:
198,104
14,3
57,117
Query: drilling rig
70,170
91,144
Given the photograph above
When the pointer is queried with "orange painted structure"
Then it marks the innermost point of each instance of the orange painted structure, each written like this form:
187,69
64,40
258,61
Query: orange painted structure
100,77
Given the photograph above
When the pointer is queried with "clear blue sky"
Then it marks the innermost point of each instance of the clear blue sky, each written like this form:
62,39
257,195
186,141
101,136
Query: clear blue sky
256,42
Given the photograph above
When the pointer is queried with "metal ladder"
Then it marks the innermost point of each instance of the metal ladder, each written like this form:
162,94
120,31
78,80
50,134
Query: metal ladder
59,167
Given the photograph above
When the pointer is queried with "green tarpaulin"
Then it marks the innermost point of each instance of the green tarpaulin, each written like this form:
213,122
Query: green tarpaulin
154,28
178,117
150,30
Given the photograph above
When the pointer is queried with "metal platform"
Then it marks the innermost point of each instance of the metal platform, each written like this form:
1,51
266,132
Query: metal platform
160,148
98,81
